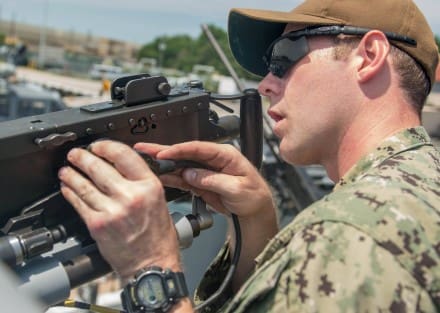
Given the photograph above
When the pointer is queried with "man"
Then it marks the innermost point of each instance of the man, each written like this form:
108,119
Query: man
348,98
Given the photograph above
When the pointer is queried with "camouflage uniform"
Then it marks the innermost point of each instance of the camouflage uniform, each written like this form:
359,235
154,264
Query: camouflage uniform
372,245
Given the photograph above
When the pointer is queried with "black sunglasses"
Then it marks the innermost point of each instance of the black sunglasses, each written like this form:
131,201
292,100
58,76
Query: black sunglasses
288,49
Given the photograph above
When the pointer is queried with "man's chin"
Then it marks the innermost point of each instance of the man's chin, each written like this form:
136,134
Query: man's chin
295,156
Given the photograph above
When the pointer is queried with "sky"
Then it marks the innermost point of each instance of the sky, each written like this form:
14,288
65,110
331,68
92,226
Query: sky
140,21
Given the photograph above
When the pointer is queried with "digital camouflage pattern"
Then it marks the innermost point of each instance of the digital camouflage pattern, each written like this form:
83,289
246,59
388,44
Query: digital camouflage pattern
372,245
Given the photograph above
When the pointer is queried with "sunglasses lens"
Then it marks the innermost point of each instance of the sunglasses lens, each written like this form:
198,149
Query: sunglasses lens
285,53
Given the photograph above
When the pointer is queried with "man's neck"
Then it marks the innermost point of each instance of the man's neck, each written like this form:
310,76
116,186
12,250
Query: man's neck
370,127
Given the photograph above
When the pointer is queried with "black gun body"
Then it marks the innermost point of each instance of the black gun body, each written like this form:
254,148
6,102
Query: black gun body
29,159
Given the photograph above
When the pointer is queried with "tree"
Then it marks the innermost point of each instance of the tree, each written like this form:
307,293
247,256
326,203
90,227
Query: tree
183,52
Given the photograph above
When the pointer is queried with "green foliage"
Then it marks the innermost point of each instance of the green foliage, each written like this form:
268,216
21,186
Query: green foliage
437,40
182,52
2,38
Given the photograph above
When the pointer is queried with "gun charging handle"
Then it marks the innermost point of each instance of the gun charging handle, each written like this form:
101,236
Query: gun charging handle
187,226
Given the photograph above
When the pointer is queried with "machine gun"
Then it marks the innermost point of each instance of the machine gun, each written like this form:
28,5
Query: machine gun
41,236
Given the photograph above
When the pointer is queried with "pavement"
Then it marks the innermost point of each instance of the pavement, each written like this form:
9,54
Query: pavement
86,87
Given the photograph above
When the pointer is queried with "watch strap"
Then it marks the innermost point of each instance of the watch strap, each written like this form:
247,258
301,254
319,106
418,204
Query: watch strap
180,284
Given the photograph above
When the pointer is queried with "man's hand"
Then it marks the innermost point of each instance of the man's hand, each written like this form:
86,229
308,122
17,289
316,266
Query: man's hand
123,204
231,185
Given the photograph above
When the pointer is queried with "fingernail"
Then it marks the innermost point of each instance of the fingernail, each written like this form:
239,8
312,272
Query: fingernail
90,147
189,175
62,172
72,153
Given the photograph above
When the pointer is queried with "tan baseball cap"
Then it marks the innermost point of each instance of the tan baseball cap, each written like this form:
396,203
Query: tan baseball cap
252,31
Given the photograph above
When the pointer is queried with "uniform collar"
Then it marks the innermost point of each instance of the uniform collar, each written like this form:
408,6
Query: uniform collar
402,141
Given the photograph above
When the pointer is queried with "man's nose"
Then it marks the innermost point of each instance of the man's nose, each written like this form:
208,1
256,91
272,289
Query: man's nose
269,86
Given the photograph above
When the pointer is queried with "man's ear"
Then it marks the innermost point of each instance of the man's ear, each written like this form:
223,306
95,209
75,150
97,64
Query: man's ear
372,53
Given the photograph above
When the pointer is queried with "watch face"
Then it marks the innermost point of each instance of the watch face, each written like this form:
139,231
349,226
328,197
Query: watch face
150,291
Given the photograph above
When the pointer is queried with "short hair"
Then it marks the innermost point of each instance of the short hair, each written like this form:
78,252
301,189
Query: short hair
413,79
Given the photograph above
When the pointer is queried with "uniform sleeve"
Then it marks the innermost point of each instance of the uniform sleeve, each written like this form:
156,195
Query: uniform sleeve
212,281
333,267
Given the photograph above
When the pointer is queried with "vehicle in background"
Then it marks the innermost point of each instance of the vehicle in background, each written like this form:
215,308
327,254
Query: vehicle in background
105,71
7,70
24,99
16,54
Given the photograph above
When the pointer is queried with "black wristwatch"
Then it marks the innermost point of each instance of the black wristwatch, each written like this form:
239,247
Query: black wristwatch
153,290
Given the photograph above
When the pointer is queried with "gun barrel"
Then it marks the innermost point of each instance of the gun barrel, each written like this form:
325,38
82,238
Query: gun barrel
50,281
44,279
11,251
85,268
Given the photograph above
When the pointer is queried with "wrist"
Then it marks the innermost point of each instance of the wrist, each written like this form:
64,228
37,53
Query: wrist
165,254
155,289
260,207
265,217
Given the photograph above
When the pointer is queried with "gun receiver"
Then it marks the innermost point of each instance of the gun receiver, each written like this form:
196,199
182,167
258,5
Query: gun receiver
35,217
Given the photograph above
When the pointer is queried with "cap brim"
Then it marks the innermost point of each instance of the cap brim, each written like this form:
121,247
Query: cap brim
252,31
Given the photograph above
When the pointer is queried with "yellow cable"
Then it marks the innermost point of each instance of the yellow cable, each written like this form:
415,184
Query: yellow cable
70,303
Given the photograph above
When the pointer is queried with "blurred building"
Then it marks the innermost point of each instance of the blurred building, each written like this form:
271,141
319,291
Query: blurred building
68,41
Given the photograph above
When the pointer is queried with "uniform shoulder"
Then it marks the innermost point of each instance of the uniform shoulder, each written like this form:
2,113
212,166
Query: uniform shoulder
333,267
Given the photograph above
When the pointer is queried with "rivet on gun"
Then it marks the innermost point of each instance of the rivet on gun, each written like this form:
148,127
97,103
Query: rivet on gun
185,109
153,117
111,126
169,112
90,131
132,122
199,105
